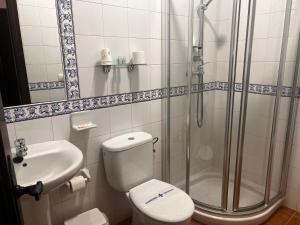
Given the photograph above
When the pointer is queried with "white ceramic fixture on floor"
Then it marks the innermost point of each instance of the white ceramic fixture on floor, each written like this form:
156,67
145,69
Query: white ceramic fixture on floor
128,161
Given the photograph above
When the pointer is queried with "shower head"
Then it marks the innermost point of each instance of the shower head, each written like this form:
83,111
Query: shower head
207,3
204,4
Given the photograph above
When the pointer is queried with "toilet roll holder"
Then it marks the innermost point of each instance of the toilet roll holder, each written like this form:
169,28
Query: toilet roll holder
85,173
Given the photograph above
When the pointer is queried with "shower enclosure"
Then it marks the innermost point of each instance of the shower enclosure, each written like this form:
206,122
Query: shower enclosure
232,74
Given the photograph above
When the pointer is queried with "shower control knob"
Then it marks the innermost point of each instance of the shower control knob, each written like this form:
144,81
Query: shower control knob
200,69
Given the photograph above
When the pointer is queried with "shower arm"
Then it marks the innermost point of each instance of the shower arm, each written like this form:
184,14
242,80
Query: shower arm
201,12
205,5
199,58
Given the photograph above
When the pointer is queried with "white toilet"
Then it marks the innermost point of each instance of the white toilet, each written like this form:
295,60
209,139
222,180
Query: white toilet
128,161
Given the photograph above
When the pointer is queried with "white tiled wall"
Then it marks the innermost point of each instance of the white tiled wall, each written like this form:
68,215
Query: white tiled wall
293,186
41,45
266,53
128,25
123,26
265,61
111,122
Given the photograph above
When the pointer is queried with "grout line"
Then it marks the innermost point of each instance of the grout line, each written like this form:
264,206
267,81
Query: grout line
293,215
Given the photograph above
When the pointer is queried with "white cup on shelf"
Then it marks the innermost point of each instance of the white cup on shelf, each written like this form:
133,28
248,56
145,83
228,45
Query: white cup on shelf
138,58
106,58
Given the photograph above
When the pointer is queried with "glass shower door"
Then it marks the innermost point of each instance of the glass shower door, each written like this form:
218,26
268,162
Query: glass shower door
261,123
225,148
176,69
209,100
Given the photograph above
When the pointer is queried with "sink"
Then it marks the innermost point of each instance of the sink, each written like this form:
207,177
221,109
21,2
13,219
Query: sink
53,163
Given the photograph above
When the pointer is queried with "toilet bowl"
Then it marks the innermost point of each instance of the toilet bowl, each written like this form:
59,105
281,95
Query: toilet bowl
128,162
159,203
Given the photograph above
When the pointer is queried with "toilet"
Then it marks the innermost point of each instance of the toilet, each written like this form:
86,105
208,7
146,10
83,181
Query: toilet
128,162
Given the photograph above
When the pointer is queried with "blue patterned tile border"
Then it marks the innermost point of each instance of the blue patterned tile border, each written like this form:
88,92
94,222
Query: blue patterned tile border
159,93
68,48
178,91
142,96
262,89
40,86
42,110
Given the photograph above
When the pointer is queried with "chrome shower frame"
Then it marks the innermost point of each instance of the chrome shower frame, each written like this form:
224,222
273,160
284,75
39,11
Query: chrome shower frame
261,210
198,52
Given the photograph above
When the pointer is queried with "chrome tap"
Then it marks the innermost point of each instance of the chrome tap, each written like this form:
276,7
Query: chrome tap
21,149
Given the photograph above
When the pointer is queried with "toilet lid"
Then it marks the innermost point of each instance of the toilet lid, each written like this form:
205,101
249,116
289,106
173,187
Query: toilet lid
162,201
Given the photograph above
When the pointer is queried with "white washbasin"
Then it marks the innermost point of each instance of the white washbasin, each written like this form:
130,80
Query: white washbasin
53,163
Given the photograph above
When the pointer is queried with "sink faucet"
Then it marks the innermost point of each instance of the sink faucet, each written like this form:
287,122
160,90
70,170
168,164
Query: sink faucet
21,150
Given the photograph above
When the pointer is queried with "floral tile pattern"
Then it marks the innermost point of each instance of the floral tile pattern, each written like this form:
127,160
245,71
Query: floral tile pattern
41,110
40,86
68,47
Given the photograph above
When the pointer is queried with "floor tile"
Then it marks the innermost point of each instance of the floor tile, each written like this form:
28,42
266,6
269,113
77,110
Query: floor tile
295,220
195,223
283,216
278,219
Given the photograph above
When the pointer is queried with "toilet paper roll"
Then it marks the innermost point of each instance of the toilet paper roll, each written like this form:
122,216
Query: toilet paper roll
60,77
138,57
77,183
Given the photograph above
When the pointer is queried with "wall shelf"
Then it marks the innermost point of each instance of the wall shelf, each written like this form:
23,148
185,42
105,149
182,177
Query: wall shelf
130,67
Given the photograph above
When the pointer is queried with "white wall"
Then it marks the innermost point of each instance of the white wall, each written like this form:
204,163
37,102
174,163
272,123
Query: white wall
265,61
111,122
293,186
123,26
41,44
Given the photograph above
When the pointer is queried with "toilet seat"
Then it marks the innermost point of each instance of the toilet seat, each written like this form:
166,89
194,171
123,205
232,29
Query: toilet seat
162,201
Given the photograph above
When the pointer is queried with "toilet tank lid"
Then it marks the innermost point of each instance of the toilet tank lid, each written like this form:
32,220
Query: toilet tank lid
126,141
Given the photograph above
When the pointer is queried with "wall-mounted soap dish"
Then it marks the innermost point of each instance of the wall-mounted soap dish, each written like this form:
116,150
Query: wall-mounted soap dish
86,126
82,121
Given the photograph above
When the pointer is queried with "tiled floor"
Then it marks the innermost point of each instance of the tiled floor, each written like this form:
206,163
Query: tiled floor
283,216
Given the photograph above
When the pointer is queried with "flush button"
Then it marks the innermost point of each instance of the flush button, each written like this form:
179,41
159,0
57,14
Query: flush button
131,138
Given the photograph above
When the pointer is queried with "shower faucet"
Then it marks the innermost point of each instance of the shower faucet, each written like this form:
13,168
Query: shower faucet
21,150
198,61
